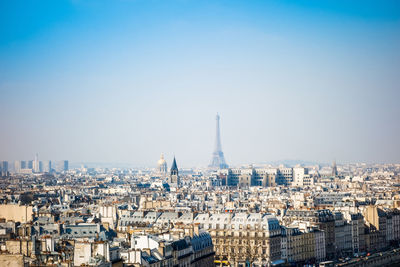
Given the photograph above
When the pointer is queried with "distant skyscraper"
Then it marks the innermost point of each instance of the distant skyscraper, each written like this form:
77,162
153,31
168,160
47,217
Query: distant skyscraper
66,165
46,166
17,166
4,168
62,165
36,164
218,159
334,169
162,165
29,165
23,165
174,175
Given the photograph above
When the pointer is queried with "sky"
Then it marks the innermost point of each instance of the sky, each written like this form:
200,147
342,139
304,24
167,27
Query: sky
125,80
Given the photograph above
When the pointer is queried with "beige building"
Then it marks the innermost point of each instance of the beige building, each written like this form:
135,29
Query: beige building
297,246
245,239
16,213
376,221
22,247
301,246
11,260
87,252
322,219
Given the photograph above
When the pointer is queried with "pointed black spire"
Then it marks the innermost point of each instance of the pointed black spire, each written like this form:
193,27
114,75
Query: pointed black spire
174,167
174,176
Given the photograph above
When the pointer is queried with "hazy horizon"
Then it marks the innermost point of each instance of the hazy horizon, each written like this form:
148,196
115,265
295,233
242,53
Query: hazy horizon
124,81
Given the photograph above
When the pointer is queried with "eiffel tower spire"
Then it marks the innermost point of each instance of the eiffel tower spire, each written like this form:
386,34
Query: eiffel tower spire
218,159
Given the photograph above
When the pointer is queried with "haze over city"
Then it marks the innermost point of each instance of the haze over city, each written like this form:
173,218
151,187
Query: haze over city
123,81
183,133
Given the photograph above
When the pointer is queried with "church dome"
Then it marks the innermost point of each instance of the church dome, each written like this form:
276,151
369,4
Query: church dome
161,161
162,164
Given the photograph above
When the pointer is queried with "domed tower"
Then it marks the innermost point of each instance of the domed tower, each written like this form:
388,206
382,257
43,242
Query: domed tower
162,165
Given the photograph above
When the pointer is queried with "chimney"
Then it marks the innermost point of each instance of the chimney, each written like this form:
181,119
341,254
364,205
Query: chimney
146,250
196,229
161,249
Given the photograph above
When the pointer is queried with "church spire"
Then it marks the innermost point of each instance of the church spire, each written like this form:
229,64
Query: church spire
174,167
174,175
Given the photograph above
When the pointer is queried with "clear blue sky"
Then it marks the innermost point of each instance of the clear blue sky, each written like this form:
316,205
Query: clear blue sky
123,81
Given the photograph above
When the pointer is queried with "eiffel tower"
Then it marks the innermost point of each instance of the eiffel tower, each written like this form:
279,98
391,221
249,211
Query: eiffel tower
218,159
